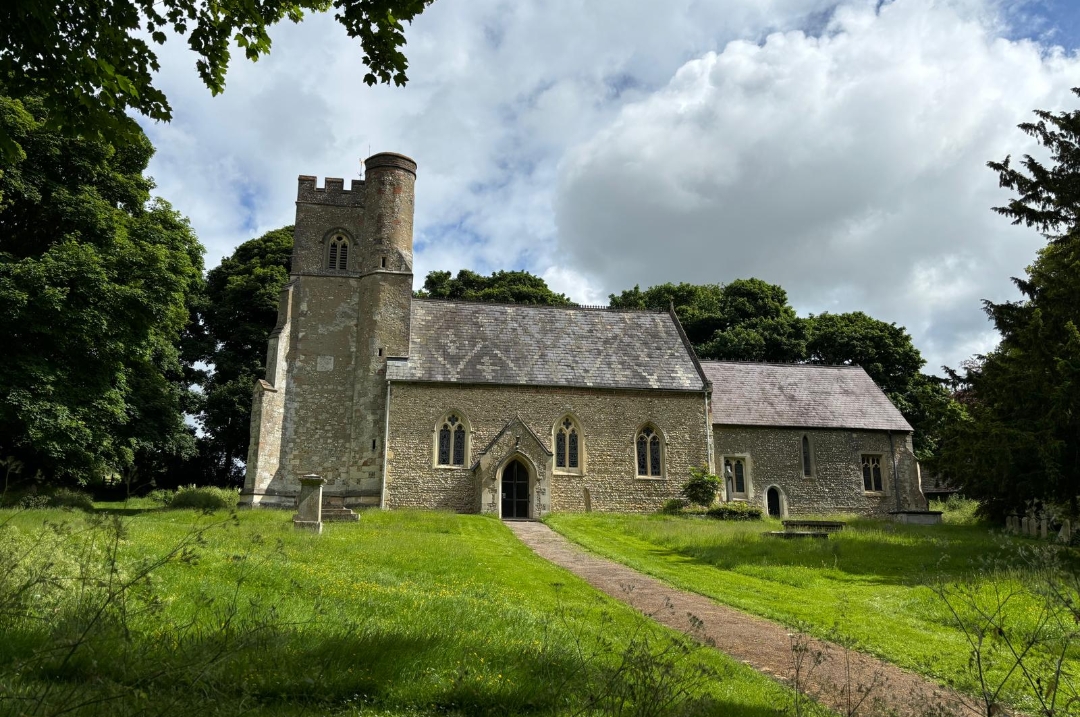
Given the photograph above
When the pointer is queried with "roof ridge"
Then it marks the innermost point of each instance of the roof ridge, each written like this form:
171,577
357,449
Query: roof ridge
796,364
583,307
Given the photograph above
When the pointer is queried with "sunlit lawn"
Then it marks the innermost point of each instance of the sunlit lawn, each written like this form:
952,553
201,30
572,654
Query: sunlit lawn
403,612
867,584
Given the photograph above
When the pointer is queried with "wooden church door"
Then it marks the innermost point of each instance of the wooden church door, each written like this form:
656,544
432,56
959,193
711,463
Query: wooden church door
515,490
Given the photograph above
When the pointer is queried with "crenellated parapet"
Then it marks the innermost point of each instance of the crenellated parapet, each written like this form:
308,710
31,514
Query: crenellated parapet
333,192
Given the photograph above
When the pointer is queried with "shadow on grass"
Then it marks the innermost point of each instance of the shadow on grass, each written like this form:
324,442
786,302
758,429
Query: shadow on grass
127,511
298,671
877,552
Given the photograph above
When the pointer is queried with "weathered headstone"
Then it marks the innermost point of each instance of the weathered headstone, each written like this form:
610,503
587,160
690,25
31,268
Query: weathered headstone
1044,525
1010,524
1025,526
1065,534
309,503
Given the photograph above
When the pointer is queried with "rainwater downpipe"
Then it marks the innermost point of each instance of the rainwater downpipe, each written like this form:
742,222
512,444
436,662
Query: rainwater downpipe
385,450
895,472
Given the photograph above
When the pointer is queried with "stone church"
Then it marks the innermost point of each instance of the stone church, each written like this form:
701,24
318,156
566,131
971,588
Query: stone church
519,410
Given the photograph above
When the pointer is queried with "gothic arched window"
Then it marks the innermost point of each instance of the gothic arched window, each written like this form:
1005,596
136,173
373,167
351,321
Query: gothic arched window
568,445
451,439
649,461
339,253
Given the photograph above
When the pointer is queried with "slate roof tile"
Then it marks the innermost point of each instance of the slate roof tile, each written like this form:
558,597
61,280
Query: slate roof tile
751,394
519,344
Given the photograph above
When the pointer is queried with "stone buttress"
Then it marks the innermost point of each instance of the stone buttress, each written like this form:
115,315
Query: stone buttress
322,407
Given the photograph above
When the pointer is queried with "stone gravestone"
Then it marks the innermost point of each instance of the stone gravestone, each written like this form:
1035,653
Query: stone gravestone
1065,534
1010,524
1025,526
309,504
1043,526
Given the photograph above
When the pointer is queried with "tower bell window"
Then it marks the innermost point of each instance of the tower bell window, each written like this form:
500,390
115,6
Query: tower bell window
339,253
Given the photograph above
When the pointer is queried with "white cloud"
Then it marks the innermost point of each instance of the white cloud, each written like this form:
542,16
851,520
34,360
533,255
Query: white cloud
848,167
611,143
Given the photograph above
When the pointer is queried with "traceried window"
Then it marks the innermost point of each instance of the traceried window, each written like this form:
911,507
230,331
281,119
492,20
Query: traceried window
807,463
871,473
648,453
339,253
735,468
451,442
567,445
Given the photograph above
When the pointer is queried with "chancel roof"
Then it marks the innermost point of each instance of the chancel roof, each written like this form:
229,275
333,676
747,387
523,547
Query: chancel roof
754,394
519,344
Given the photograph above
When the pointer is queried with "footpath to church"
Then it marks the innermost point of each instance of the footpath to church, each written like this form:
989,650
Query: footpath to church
766,646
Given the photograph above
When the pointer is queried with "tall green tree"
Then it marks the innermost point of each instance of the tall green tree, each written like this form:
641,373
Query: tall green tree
745,320
97,281
90,62
238,315
508,287
1020,439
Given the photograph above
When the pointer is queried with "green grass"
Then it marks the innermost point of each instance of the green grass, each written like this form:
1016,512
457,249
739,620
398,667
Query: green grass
405,612
866,585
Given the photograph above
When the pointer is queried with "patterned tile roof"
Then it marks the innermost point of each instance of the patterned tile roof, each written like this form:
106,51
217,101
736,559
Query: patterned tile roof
518,344
754,394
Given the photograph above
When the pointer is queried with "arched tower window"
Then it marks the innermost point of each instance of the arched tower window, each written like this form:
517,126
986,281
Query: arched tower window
338,257
568,445
649,453
451,441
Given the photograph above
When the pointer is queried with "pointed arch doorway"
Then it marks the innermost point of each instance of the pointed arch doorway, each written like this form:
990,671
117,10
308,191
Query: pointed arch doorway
515,490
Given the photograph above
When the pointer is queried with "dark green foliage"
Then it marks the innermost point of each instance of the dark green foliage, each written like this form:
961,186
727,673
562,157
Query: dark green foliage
91,62
674,506
97,282
751,320
200,498
504,287
702,487
239,312
883,350
69,498
746,320
1020,439
735,510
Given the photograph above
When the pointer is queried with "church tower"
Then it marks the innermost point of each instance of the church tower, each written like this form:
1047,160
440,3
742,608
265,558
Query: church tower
322,406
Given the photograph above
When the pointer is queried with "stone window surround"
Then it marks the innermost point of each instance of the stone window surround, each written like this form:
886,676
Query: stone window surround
580,470
663,452
464,421
748,494
809,443
881,473
339,235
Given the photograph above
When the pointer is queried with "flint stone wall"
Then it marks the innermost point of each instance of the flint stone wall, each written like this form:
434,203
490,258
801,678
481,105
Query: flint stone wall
836,486
608,420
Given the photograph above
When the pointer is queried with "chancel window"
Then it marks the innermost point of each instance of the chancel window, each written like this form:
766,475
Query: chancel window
648,453
451,445
871,473
339,253
807,463
735,469
567,445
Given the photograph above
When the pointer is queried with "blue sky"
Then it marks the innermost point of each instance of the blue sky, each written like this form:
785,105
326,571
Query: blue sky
837,149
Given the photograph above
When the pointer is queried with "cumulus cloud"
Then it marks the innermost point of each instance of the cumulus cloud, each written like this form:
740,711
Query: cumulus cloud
847,166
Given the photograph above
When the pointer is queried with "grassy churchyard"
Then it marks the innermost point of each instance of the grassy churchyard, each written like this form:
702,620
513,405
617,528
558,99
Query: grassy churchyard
872,586
153,611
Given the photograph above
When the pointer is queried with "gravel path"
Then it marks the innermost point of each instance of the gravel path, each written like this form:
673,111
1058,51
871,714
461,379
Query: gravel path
766,646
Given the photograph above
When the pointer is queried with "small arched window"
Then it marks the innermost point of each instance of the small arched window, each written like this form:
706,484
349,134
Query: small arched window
568,445
450,450
649,462
339,253
807,463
